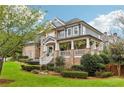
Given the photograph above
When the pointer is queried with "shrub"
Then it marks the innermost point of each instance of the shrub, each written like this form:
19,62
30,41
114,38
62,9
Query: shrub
23,60
44,67
75,74
90,64
98,74
97,58
30,67
23,57
59,61
50,66
77,67
58,69
105,58
104,74
35,71
100,66
31,62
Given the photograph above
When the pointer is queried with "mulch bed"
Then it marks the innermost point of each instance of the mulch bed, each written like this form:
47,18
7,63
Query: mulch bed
54,73
5,81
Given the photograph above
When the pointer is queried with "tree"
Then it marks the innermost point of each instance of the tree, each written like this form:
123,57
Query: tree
117,53
89,63
18,24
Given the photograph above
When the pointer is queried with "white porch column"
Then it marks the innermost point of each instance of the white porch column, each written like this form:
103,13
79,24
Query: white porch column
84,30
87,43
72,44
56,46
94,45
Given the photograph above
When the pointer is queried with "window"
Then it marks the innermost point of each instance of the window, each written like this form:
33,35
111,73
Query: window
69,32
76,30
62,34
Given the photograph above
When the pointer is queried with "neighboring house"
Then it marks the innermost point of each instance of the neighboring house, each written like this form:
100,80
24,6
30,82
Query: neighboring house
110,39
70,39
32,50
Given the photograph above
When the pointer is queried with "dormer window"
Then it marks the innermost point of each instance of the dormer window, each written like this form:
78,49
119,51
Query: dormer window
76,30
69,32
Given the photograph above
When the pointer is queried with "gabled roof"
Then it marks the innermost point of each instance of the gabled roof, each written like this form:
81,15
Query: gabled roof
74,20
49,38
57,22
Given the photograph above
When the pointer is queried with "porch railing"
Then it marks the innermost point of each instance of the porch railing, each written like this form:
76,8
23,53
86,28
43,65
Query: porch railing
65,53
80,52
77,52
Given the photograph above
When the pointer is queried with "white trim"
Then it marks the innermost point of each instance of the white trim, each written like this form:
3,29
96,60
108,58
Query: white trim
66,56
81,29
53,25
84,30
48,38
49,42
72,44
60,21
77,56
87,43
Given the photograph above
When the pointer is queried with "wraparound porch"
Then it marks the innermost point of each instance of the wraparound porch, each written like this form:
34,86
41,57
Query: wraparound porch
74,47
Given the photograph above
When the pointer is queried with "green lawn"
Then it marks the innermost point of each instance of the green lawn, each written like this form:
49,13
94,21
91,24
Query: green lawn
13,71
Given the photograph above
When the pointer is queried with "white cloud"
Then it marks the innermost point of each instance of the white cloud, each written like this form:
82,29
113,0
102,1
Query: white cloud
109,22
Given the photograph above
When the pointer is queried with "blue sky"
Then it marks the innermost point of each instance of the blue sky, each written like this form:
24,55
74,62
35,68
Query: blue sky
84,12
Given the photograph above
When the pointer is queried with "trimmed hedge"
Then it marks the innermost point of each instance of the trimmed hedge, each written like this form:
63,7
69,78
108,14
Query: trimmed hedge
23,60
75,74
22,57
30,67
58,69
103,74
44,67
50,66
31,62
77,67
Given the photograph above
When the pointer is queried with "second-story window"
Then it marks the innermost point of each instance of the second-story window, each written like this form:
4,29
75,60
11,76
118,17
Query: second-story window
76,30
69,32
62,34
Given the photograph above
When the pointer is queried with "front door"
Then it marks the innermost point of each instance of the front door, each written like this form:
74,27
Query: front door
50,50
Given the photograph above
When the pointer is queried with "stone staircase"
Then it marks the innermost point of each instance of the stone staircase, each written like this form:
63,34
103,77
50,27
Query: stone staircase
45,59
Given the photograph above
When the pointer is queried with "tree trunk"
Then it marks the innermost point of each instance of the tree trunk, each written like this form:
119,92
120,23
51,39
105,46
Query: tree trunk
119,70
1,65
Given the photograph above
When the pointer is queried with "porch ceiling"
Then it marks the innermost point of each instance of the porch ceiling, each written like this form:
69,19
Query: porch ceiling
80,37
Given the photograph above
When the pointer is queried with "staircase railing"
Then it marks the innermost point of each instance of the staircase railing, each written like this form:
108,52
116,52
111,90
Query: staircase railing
46,59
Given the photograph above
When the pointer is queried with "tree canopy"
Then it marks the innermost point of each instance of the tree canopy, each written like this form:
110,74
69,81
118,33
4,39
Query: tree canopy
18,24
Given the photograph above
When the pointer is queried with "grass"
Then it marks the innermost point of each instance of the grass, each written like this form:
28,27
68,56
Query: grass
12,70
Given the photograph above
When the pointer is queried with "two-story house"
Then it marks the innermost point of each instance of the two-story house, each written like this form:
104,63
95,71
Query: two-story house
70,39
